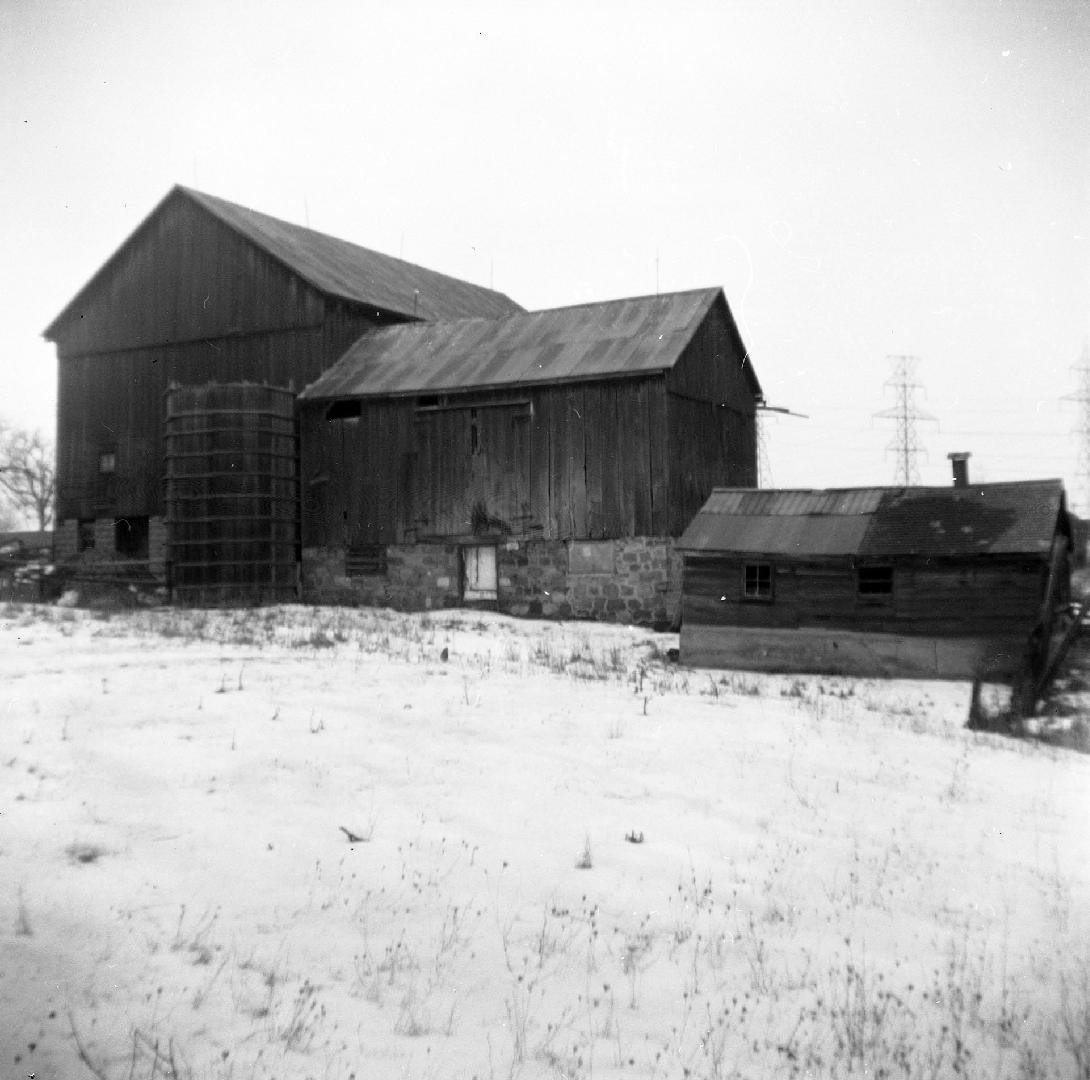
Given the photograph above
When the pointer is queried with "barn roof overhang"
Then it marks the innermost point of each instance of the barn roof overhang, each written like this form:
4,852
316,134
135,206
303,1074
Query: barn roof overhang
616,339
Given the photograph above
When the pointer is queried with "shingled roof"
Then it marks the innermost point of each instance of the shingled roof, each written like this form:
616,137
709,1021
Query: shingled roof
591,341
334,267
1015,518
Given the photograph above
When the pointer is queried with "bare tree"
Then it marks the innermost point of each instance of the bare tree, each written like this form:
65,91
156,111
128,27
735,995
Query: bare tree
27,478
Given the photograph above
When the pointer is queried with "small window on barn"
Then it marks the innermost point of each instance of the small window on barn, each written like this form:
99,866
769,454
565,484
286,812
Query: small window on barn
85,535
107,462
346,409
365,560
875,580
757,581
131,537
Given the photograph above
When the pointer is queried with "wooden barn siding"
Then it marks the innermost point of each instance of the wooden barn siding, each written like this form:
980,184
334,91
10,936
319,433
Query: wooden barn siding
186,276
588,464
708,445
356,475
948,599
114,401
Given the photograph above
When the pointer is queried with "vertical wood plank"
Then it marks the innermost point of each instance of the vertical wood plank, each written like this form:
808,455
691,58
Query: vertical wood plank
656,437
611,467
592,439
558,467
540,505
639,475
576,463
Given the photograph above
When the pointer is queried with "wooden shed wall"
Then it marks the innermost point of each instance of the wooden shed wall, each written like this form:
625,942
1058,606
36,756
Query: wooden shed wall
710,422
585,460
937,598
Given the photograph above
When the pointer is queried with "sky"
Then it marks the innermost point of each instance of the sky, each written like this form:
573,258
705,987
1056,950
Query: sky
864,179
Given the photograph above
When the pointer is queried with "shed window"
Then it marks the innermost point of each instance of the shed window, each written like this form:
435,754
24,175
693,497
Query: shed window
757,581
107,462
85,534
875,580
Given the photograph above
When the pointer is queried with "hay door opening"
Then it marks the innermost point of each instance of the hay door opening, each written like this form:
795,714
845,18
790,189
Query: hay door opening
479,580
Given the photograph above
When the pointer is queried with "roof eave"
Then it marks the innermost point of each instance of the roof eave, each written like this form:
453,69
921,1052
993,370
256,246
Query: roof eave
481,388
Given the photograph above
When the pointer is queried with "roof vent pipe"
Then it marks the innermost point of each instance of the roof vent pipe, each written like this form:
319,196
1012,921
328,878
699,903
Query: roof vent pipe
959,461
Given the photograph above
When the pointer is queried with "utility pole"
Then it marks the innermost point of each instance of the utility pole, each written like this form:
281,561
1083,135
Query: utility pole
905,443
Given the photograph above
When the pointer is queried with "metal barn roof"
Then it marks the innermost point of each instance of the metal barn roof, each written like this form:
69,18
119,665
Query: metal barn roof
591,341
1017,518
344,269
335,267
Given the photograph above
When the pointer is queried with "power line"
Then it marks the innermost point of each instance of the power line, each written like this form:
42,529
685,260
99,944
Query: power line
905,443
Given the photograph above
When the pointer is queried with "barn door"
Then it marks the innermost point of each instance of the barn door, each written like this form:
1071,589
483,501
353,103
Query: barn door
480,572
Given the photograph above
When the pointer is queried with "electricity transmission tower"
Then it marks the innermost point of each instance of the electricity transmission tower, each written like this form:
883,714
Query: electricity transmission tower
905,443
764,466
1082,426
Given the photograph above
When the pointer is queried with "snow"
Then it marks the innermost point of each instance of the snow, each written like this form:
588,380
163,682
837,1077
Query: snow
835,877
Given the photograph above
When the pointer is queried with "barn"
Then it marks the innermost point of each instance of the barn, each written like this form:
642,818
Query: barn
949,582
204,291
543,462
249,409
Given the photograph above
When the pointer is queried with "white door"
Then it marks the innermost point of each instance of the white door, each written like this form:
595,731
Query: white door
480,579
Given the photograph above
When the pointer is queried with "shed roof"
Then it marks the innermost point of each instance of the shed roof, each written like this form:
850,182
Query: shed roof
634,336
1015,518
335,267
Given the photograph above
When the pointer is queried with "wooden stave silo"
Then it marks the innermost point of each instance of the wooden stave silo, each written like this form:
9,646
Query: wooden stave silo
231,494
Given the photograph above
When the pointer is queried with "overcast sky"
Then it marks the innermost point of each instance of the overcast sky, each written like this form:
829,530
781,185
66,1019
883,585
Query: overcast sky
863,179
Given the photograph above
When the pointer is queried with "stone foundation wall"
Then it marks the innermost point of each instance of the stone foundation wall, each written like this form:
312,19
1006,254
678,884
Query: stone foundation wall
65,540
105,530
66,545
418,577
635,580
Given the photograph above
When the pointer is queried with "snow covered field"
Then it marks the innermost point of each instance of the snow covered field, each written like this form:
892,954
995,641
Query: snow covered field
564,857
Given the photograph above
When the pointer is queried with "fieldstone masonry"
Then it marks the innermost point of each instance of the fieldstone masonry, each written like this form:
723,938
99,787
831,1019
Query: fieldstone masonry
65,540
418,577
636,580
66,544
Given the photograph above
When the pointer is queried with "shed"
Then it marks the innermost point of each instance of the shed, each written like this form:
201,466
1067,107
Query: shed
946,582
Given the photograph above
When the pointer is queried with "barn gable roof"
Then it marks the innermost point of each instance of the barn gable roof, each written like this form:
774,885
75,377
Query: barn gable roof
591,341
334,267
1014,518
